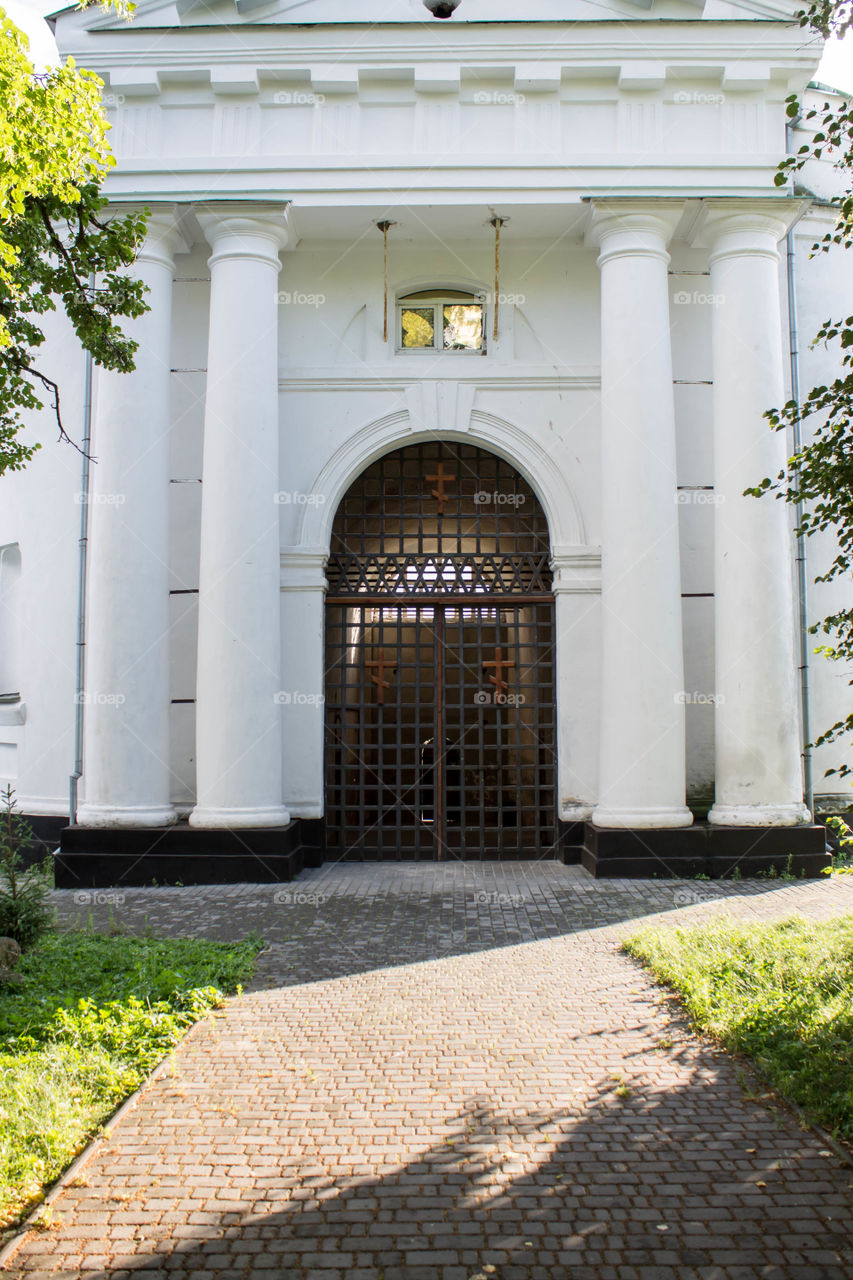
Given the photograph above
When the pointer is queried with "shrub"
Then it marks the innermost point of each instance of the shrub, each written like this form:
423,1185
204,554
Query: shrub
24,910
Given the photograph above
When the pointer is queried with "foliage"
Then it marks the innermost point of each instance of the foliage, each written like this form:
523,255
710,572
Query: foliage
781,993
53,137
842,861
828,17
819,475
24,910
91,1018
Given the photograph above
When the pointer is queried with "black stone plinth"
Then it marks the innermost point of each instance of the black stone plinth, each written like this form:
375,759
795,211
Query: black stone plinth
703,849
101,857
46,829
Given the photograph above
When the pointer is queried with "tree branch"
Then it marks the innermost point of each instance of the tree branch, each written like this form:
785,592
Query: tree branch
60,248
53,388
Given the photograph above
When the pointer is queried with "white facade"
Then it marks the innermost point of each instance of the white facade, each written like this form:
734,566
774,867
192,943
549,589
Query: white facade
643,329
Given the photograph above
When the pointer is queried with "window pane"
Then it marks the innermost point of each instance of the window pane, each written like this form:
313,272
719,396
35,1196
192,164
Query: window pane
418,327
463,328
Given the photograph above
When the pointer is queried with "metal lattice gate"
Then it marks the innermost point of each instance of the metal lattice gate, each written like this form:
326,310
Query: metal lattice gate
440,697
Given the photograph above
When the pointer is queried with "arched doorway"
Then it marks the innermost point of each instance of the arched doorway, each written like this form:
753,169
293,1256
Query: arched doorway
440,692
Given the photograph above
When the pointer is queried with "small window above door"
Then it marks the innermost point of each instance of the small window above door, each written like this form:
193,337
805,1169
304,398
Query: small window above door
441,320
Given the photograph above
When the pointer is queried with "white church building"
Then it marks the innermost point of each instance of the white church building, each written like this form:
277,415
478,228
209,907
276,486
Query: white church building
419,530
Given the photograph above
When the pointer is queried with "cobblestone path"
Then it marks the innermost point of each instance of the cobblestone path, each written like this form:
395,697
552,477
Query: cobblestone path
450,1073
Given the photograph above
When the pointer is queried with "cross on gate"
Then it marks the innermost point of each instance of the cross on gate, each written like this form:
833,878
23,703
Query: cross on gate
500,665
439,493
379,679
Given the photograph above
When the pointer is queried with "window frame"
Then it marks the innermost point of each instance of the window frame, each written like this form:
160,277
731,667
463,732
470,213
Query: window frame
437,298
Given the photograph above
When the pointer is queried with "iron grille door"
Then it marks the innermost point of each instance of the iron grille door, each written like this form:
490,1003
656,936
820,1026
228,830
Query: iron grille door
440,695
498,718
381,696
440,731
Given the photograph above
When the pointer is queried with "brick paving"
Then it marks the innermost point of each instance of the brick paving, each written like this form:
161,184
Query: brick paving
450,1073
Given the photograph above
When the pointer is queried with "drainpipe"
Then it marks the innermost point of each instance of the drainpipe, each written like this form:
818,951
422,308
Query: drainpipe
82,562
796,442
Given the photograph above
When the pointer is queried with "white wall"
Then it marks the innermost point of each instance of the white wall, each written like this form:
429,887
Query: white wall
40,510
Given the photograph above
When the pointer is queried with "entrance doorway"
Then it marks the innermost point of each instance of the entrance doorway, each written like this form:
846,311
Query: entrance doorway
440,694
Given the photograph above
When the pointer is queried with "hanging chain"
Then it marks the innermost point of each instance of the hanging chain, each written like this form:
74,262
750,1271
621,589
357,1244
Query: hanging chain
385,227
497,223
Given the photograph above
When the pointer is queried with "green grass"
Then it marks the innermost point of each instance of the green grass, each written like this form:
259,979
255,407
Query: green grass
782,994
90,1020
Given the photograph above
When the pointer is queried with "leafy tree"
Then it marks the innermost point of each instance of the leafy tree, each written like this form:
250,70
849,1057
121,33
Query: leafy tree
54,239
819,475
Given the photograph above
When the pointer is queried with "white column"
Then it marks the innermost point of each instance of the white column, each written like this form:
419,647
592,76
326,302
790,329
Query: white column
758,765
642,779
238,709
126,772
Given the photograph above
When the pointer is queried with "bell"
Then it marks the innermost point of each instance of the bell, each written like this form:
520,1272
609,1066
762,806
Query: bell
442,8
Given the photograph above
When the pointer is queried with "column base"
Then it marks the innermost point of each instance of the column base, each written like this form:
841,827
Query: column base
105,815
759,815
632,819
576,812
238,819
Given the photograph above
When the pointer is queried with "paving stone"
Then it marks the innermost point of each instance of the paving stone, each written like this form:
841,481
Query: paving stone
421,1082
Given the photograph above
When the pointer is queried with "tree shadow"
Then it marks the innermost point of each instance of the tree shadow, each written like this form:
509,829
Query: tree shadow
696,1182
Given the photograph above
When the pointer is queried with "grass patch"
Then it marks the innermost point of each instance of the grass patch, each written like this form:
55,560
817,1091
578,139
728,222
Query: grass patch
780,993
91,1018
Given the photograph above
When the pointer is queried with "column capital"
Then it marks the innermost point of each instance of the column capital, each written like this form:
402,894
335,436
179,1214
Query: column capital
735,228
246,231
303,568
576,570
633,228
